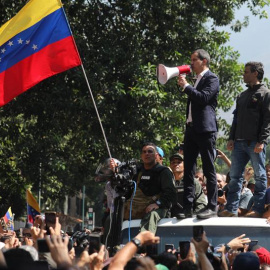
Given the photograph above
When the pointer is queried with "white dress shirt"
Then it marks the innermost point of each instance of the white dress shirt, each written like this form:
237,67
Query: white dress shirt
189,119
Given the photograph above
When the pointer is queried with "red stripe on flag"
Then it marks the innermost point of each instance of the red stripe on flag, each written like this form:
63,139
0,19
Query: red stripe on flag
53,59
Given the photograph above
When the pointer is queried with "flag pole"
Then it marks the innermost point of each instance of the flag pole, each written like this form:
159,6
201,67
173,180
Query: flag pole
94,103
89,88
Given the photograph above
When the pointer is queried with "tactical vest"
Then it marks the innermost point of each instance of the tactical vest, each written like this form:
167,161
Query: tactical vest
149,180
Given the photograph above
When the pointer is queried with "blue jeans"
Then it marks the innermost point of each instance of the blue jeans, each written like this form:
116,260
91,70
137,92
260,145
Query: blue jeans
243,152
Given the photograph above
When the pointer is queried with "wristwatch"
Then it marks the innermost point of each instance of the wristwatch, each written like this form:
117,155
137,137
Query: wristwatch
158,203
137,242
227,248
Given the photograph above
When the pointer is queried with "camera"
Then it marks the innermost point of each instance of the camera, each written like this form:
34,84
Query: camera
122,180
220,192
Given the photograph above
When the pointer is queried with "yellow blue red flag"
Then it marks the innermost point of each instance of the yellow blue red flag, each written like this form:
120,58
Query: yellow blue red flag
8,218
35,44
32,207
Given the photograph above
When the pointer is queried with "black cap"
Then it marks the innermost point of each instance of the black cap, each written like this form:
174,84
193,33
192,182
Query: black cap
177,155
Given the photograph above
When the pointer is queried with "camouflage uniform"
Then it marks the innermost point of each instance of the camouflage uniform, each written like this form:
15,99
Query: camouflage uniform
199,203
153,185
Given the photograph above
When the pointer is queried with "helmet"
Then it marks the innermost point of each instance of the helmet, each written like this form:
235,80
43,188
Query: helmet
104,172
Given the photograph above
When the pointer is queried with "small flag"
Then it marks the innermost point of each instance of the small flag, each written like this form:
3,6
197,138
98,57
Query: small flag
32,207
8,218
35,44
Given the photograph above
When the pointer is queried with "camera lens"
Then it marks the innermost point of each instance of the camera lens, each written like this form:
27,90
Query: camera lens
220,193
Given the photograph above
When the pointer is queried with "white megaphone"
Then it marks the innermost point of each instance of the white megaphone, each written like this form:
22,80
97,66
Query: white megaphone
165,73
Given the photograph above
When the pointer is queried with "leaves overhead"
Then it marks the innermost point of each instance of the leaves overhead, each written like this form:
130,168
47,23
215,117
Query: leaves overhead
51,135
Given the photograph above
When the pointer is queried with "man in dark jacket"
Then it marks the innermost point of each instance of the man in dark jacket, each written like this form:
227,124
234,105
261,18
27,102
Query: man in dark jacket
155,193
201,129
247,141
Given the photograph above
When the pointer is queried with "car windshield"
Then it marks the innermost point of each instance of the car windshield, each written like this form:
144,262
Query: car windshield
215,234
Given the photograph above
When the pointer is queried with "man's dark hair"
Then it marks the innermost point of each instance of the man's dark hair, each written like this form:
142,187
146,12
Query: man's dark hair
187,265
168,259
149,144
202,54
256,66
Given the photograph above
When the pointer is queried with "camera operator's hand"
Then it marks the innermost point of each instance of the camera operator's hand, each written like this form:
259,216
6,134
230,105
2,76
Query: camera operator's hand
113,164
151,207
222,199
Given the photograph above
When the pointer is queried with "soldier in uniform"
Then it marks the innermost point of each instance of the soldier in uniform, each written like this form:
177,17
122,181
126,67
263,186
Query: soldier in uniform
200,203
155,192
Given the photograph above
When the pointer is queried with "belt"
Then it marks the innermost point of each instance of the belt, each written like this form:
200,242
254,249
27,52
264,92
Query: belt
189,124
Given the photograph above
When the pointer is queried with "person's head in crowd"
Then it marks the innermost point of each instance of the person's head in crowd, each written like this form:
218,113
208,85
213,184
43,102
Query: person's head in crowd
246,261
187,265
140,263
177,165
251,185
267,168
254,71
167,259
26,233
33,252
160,155
221,182
38,220
262,253
23,258
180,149
149,155
249,173
200,177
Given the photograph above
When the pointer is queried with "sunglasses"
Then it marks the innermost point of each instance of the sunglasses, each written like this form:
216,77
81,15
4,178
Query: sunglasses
28,235
148,151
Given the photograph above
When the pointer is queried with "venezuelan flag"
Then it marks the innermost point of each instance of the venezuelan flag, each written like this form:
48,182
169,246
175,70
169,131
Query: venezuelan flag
8,218
32,207
35,44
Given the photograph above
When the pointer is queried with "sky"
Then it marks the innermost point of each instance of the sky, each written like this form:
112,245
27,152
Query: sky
253,43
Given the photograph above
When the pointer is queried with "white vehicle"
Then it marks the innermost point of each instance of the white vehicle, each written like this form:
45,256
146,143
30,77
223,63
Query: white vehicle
218,230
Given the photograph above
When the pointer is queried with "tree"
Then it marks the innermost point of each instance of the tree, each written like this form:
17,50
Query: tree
51,133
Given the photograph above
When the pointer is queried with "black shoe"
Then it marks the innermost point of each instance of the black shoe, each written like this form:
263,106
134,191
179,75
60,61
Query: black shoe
187,214
208,213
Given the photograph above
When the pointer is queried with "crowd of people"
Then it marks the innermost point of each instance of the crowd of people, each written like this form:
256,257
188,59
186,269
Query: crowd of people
37,248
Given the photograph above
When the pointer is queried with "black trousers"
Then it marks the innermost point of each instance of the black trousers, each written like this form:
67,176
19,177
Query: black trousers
205,144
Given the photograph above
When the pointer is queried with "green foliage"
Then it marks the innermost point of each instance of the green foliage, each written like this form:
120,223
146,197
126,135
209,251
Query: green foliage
51,135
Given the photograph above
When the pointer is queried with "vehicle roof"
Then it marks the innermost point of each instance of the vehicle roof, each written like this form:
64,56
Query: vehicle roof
215,221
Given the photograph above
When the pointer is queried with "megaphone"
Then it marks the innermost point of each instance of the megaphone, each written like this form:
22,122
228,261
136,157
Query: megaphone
165,73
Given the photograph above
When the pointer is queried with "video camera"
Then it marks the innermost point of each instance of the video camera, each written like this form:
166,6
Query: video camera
123,177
